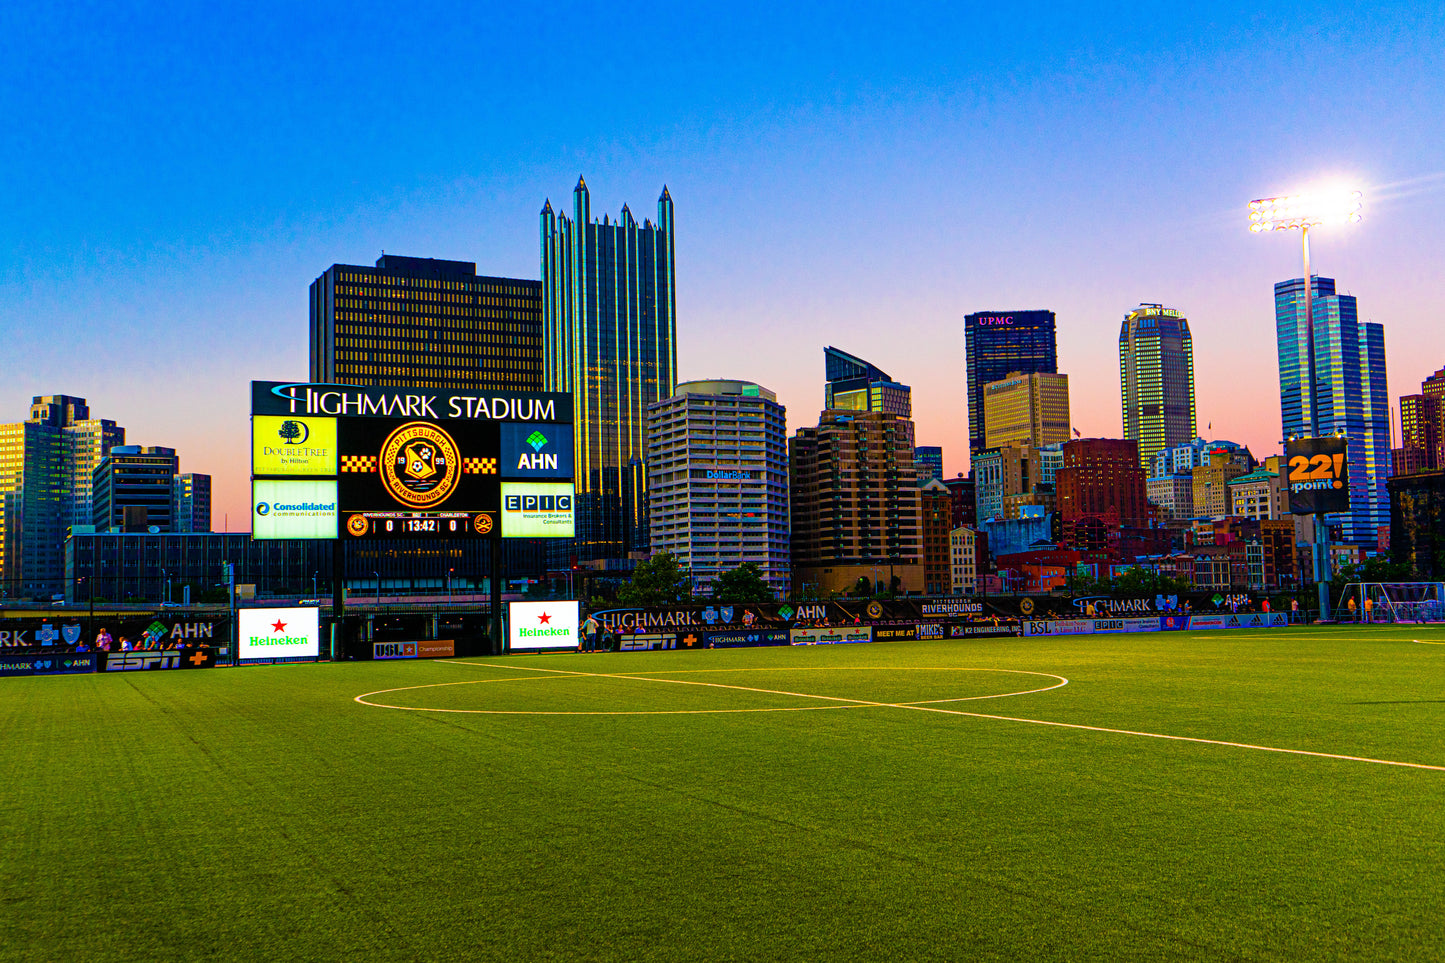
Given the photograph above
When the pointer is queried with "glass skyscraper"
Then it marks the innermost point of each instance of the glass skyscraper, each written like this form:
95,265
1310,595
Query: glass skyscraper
998,344
1156,379
1334,384
609,313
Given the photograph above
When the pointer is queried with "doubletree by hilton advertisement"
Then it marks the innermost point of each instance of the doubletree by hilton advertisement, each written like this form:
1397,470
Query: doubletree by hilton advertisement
341,461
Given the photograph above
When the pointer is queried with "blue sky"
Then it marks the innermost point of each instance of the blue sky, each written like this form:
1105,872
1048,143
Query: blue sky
176,176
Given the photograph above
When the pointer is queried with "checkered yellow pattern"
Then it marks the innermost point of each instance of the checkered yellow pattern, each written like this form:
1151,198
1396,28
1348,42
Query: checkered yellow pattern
358,463
479,466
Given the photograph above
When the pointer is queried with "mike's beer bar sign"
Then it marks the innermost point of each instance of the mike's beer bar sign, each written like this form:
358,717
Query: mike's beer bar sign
342,461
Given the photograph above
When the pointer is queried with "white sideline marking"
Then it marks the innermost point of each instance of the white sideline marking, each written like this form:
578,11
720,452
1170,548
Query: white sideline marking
927,706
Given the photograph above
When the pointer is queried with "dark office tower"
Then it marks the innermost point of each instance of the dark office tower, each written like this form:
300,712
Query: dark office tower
856,385
191,503
1332,382
133,489
998,344
609,338
427,323
1156,379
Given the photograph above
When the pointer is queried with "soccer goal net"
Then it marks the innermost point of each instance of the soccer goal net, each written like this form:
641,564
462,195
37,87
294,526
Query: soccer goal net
1393,602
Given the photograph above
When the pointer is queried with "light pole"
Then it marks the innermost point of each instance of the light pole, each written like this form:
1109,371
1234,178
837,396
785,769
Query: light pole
1301,212
378,588
449,585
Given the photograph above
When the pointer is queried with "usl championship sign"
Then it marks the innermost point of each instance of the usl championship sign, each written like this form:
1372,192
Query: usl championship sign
279,633
542,625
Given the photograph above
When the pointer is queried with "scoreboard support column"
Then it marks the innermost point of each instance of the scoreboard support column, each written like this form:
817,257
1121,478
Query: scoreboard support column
496,580
338,598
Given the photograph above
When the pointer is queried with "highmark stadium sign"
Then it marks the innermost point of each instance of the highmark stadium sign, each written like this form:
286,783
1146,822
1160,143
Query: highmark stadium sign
356,462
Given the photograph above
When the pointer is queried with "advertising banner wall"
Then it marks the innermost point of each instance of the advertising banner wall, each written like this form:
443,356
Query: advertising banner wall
284,445
1242,620
542,625
436,649
141,629
744,639
827,636
60,663
197,657
894,633
393,650
293,633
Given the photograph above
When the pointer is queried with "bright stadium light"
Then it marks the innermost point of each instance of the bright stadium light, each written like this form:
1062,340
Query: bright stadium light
1301,212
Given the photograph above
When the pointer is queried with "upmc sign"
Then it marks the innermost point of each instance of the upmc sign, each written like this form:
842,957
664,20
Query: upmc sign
996,319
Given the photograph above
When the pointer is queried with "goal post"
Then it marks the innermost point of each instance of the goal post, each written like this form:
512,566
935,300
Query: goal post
1393,601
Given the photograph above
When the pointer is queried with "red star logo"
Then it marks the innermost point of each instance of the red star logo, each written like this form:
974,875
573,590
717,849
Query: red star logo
544,618
277,625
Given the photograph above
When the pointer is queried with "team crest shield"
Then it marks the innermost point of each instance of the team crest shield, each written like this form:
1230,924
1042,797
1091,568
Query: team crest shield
70,633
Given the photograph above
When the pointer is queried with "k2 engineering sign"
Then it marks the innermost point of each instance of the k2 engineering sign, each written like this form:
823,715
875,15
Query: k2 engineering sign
1319,479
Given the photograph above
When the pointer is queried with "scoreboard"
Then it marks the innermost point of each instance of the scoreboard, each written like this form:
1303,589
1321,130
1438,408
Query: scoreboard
341,461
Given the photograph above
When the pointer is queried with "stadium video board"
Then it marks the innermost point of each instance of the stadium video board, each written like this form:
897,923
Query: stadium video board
1318,475
342,461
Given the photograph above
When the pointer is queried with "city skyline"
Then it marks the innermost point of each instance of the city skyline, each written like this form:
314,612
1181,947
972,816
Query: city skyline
987,171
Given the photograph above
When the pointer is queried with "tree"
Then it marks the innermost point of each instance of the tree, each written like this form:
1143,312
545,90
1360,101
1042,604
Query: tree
743,584
290,430
657,581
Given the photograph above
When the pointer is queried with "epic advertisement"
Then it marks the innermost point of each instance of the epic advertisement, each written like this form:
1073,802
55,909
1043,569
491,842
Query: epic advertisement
293,633
418,479
1318,475
542,625
537,510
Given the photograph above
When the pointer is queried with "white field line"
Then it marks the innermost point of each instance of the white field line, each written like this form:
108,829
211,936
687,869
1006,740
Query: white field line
836,702
916,707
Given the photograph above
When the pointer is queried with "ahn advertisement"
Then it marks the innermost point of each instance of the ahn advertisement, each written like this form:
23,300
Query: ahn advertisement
541,452
1318,475
418,479
542,625
293,446
293,509
293,633
58,663
537,510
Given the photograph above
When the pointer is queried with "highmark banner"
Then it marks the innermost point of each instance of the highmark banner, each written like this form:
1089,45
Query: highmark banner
293,633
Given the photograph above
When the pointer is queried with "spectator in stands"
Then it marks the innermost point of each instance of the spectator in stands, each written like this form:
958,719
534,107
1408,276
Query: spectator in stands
102,640
125,645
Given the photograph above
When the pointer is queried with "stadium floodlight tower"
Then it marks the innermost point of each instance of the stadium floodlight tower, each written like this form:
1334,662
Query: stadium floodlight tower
1302,212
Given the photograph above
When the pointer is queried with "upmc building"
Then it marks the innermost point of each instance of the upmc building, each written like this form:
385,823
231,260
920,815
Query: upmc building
998,344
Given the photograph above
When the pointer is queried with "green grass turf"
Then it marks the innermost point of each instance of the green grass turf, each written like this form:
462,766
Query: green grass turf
261,813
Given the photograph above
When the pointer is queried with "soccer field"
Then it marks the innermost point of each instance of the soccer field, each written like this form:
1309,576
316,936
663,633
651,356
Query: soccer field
1249,795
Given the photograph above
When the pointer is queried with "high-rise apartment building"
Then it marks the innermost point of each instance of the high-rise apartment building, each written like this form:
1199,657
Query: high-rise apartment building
996,344
963,560
855,503
856,385
717,480
1156,378
133,489
426,323
1026,409
46,464
609,310
928,461
1332,382
191,503
1422,428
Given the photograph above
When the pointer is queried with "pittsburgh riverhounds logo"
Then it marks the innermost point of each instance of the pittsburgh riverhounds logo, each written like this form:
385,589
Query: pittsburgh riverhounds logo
420,465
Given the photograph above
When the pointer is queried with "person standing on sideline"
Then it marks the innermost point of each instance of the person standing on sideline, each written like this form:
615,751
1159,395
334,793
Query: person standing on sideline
1351,606
1294,610
1369,608
589,635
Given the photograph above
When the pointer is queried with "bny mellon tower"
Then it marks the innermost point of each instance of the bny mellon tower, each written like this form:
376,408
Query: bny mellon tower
609,321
